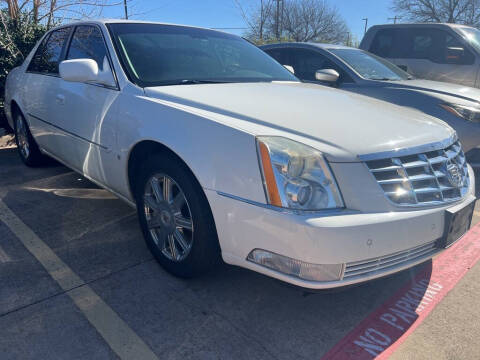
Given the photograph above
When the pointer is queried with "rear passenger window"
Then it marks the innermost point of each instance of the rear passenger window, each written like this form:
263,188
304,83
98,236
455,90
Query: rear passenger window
87,43
280,55
49,53
383,43
422,45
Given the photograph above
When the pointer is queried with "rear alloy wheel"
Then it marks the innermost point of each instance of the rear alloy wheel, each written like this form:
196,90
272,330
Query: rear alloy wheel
27,147
175,217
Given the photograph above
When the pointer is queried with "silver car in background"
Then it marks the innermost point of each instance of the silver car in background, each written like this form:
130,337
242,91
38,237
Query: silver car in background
440,52
364,73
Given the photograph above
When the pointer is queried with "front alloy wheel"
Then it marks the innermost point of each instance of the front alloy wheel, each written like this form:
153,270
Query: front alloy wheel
175,217
168,217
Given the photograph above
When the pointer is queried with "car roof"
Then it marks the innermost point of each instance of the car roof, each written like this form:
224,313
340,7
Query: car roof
408,25
307,44
123,21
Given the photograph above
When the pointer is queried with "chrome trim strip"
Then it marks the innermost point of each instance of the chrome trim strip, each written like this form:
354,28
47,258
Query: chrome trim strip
410,151
379,264
319,213
68,132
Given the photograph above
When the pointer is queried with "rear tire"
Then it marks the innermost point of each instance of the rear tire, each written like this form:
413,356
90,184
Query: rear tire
175,217
27,147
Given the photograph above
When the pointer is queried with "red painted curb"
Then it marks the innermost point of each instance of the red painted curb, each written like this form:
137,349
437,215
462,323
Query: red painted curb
383,330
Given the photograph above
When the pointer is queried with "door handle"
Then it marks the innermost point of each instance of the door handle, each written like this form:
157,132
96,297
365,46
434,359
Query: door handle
60,99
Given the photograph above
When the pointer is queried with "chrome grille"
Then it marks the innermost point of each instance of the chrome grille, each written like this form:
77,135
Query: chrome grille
390,262
428,178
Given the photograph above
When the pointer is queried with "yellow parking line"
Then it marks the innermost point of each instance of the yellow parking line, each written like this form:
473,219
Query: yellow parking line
118,335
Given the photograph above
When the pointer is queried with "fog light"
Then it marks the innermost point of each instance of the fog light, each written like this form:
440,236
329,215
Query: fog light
297,268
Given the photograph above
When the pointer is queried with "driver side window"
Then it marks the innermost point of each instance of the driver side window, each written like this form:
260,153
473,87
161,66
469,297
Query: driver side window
307,62
437,46
87,43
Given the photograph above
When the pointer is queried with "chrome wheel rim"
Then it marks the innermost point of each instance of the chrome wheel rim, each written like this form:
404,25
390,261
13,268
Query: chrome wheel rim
22,137
168,217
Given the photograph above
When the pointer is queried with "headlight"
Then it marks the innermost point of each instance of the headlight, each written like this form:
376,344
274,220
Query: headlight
470,113
296,176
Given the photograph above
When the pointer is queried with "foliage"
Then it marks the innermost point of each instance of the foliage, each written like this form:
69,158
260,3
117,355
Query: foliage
17,38
450,11
294,20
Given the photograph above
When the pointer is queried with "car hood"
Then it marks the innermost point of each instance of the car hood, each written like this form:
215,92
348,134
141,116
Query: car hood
341,124
439,89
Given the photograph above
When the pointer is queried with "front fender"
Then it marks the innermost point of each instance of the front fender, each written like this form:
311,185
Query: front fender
222,158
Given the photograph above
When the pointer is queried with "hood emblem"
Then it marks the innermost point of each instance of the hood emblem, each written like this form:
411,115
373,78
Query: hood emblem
454,174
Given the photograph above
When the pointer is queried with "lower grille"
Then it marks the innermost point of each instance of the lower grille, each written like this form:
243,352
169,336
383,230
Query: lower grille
389,262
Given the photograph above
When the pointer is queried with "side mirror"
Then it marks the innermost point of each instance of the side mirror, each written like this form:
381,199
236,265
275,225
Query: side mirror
455,53
289,68
327,75
86,70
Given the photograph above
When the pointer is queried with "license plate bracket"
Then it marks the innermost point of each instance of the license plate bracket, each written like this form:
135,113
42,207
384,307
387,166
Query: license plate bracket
457,224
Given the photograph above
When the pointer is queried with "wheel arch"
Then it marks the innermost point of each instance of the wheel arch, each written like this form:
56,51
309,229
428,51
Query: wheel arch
15,108
14,111
141,152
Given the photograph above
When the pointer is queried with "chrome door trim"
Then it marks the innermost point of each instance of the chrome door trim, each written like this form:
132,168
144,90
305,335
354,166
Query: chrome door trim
69,133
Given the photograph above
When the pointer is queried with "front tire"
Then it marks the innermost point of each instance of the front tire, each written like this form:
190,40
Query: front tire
175,217
27,147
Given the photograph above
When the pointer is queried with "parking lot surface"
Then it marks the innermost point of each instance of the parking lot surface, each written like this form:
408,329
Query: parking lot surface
77,282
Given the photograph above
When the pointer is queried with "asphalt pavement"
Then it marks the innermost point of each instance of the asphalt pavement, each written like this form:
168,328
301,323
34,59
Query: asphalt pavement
77,282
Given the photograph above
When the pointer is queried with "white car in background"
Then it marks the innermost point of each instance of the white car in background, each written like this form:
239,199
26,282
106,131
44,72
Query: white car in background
364,73
440,52
225,153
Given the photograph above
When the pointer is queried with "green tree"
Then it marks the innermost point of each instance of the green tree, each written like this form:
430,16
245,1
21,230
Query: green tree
17,38
23,22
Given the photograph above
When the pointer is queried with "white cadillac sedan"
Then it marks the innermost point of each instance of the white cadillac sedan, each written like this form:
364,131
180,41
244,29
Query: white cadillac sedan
225,154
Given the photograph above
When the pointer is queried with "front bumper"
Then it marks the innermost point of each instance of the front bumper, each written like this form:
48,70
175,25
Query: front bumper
347,237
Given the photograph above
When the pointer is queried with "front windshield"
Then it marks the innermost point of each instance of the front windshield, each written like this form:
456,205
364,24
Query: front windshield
369,66
472,35
155,55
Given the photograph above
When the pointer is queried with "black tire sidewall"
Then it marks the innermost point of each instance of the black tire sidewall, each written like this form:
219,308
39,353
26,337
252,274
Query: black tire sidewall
205,251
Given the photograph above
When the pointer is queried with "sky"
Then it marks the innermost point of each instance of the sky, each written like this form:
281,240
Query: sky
225,13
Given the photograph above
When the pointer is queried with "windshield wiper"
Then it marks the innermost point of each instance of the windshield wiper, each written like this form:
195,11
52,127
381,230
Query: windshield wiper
383,79
193,82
